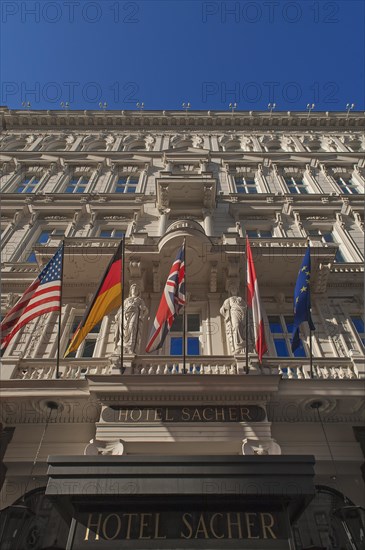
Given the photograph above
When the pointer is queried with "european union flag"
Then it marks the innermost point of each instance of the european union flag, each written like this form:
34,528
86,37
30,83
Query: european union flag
302,299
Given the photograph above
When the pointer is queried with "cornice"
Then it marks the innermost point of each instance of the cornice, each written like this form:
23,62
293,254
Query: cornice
194,120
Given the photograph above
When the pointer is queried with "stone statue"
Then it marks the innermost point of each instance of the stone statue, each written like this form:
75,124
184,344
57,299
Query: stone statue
135,311
233,311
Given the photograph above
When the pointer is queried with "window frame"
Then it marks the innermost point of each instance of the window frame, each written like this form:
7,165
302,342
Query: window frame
53,232
286,337
246,185
32,177
94,337
178,334
127,184
347,186
360,335
328,236
73,177
298,186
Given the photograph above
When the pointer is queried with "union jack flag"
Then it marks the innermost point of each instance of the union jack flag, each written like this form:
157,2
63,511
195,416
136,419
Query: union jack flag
172,300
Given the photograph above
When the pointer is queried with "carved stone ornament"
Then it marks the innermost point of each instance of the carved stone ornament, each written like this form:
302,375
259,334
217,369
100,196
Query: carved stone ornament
102,447
197,141
233,311
260,447
134,311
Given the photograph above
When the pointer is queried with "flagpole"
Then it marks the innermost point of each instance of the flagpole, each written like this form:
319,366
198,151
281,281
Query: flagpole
246,297
310,353
184,315
122,316
60,315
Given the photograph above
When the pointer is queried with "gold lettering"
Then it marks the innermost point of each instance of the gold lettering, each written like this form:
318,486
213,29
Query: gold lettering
185,413
202,529
211,524
123,412
205,414
187,524
219,411
245,413
167,416
90,525
158,413
196,415
129,524
139,414
237,523
142,525
249,524
157,526
105,522
265,526
232,413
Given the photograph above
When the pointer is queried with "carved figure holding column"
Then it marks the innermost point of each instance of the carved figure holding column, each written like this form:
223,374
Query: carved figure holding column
233,310
135,311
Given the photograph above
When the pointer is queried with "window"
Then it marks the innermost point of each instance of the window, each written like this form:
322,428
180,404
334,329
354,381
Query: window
296,185
328,237
258,233
246,185
347,186
111,233
126,184
281,328
77,184
192,335
28,185
87,347
44,238
358,323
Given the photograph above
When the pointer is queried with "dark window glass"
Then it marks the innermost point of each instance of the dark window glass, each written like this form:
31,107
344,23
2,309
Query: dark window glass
275,324
177,325
176,346
89,348
193,346
194,323
359,324
281,347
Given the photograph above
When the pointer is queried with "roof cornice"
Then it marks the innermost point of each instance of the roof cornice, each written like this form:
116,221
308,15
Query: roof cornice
179,121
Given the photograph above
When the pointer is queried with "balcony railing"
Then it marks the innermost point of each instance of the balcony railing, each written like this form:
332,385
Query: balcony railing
323,368
193,365
77,369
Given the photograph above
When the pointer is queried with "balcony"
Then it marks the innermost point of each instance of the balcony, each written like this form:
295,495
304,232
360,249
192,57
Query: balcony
79,369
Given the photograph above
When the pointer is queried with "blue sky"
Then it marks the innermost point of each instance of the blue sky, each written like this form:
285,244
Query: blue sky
210,53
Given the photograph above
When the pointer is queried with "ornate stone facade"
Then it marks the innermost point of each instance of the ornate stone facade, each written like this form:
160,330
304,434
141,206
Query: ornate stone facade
157,178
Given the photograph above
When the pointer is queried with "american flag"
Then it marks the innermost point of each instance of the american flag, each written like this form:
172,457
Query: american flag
43,296
172,300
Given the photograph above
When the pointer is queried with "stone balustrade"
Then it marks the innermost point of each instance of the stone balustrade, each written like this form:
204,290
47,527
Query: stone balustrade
288,368
194,365
326,369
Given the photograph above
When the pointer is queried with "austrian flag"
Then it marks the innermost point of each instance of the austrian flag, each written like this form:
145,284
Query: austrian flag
253,301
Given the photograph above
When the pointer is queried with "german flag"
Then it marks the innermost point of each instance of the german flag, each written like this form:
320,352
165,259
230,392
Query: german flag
107,298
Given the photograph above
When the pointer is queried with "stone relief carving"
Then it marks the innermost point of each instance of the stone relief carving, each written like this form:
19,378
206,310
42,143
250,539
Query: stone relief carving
135,311
149,142
197,141
260,447
102,447
233,311
246,143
